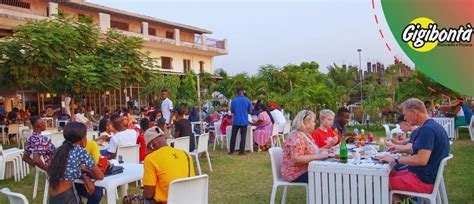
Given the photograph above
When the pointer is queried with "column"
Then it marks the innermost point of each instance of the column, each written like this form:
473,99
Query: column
52,9
104,22
204,42
145,30
177,36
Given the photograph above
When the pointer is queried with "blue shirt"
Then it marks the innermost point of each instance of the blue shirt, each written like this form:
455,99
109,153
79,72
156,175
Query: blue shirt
430,136
77,156
240,108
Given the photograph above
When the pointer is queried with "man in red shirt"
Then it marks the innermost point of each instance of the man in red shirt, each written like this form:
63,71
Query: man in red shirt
324,136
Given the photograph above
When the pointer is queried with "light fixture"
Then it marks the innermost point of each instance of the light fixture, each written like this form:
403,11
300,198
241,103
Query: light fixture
107,93
54,95
48,95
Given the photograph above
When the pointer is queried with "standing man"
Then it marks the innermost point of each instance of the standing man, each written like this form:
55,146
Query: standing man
166,107
240,108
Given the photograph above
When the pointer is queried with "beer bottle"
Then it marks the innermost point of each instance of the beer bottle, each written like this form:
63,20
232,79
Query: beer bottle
343,150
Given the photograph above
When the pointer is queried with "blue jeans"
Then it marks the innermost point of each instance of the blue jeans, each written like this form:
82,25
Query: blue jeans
303,178
91,199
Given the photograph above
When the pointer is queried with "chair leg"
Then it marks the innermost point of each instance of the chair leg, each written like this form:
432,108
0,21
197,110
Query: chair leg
46,188
283,198
209,161
274,191
197,163
442,191
215,141
35,186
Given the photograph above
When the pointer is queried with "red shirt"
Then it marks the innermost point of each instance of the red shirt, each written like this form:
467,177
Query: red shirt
320,137
141,142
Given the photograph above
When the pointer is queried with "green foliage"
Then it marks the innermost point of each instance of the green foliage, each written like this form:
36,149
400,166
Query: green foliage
156,82
70,57
187,95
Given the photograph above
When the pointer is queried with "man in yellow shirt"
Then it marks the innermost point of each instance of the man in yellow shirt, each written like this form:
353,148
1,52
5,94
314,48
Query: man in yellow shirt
163,165
93,149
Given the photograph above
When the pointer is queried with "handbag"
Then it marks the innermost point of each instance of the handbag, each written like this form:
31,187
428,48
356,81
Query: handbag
113,170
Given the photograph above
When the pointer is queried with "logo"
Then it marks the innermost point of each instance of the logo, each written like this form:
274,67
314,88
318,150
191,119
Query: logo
423,35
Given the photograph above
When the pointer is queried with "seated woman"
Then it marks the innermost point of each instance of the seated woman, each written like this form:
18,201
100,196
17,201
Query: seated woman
106,130
144,125
324,136
458,113
226,121
264,123
299,149
70,162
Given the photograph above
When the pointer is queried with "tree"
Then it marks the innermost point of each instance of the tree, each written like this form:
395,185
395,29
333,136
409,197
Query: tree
156,82
70,57
187,95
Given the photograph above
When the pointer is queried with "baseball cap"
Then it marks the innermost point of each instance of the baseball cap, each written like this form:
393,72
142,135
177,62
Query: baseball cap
152,133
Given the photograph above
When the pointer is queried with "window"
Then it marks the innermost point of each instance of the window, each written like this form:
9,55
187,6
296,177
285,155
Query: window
187,65
83,17
201,66
151,31
119,25
16,3
166,62
169,34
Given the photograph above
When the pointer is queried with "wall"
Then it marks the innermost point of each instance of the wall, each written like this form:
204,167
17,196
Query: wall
178,58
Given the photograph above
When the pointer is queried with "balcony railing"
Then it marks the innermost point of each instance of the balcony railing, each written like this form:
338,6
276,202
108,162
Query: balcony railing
16,3
210,42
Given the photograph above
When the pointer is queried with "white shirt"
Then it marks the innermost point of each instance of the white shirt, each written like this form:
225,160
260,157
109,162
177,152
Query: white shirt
279,118
166,107
81,118
120,139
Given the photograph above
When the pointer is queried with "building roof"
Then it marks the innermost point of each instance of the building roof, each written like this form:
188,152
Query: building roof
79,4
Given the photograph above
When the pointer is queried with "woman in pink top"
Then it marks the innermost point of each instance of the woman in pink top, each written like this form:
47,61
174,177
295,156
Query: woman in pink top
264,123
226,121
299,148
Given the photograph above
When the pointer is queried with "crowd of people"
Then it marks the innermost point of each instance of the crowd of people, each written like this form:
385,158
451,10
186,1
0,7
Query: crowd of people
150,128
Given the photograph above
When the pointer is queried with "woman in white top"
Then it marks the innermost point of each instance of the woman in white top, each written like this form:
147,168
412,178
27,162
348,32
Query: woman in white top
460,119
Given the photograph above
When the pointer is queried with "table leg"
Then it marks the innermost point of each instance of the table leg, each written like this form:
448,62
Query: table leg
111,194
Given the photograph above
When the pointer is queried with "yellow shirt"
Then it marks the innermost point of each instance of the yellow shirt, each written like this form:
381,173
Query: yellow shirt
163,166
93,149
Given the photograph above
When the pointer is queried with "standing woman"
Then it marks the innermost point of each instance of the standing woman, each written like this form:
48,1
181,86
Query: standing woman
264,124
66,166
299,148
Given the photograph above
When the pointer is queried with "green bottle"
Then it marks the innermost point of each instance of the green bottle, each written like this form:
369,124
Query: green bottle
343,150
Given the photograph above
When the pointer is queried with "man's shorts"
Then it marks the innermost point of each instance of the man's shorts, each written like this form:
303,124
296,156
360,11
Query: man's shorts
405,180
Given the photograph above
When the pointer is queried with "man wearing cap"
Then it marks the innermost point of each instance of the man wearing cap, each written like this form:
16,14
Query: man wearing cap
183,128
162,165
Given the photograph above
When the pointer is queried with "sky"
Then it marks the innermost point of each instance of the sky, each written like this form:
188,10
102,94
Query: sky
280,32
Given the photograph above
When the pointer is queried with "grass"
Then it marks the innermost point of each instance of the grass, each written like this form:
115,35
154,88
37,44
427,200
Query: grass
248,179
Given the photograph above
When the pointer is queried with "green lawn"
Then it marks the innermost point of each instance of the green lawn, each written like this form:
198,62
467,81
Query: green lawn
248,179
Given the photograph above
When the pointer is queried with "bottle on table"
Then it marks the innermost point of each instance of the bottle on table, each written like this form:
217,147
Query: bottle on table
343,151
362,135
371,137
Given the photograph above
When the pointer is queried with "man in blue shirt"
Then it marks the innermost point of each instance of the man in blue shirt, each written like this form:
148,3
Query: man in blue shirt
430,146
240,108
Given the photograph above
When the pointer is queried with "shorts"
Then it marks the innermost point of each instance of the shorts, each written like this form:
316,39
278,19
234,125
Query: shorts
405,180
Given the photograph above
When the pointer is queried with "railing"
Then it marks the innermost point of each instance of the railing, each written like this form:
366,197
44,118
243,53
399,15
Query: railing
16,3
215,43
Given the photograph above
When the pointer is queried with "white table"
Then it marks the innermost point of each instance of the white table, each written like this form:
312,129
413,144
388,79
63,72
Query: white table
248,138
448,124
131,172
334,182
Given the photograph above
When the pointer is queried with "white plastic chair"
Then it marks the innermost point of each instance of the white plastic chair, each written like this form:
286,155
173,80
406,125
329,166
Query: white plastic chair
14,129
219,137
395,131
129,153
189,190
439,194
46,184
202,148
387,130
469,127
285,132
14,198
274,138
276,157
57,139
182,143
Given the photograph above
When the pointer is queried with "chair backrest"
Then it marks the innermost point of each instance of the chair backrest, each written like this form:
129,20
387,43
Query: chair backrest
287,128
395,131
14,129
387,130
217,128
439,174
471,125
91,135
203,143
276,158
189,190
14,198
182,143
26,133
57,139
275,129
129,153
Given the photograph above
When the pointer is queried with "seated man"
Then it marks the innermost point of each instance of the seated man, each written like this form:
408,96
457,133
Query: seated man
38,148
342,118
183,128
163,165
123,137
405,145
430,146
